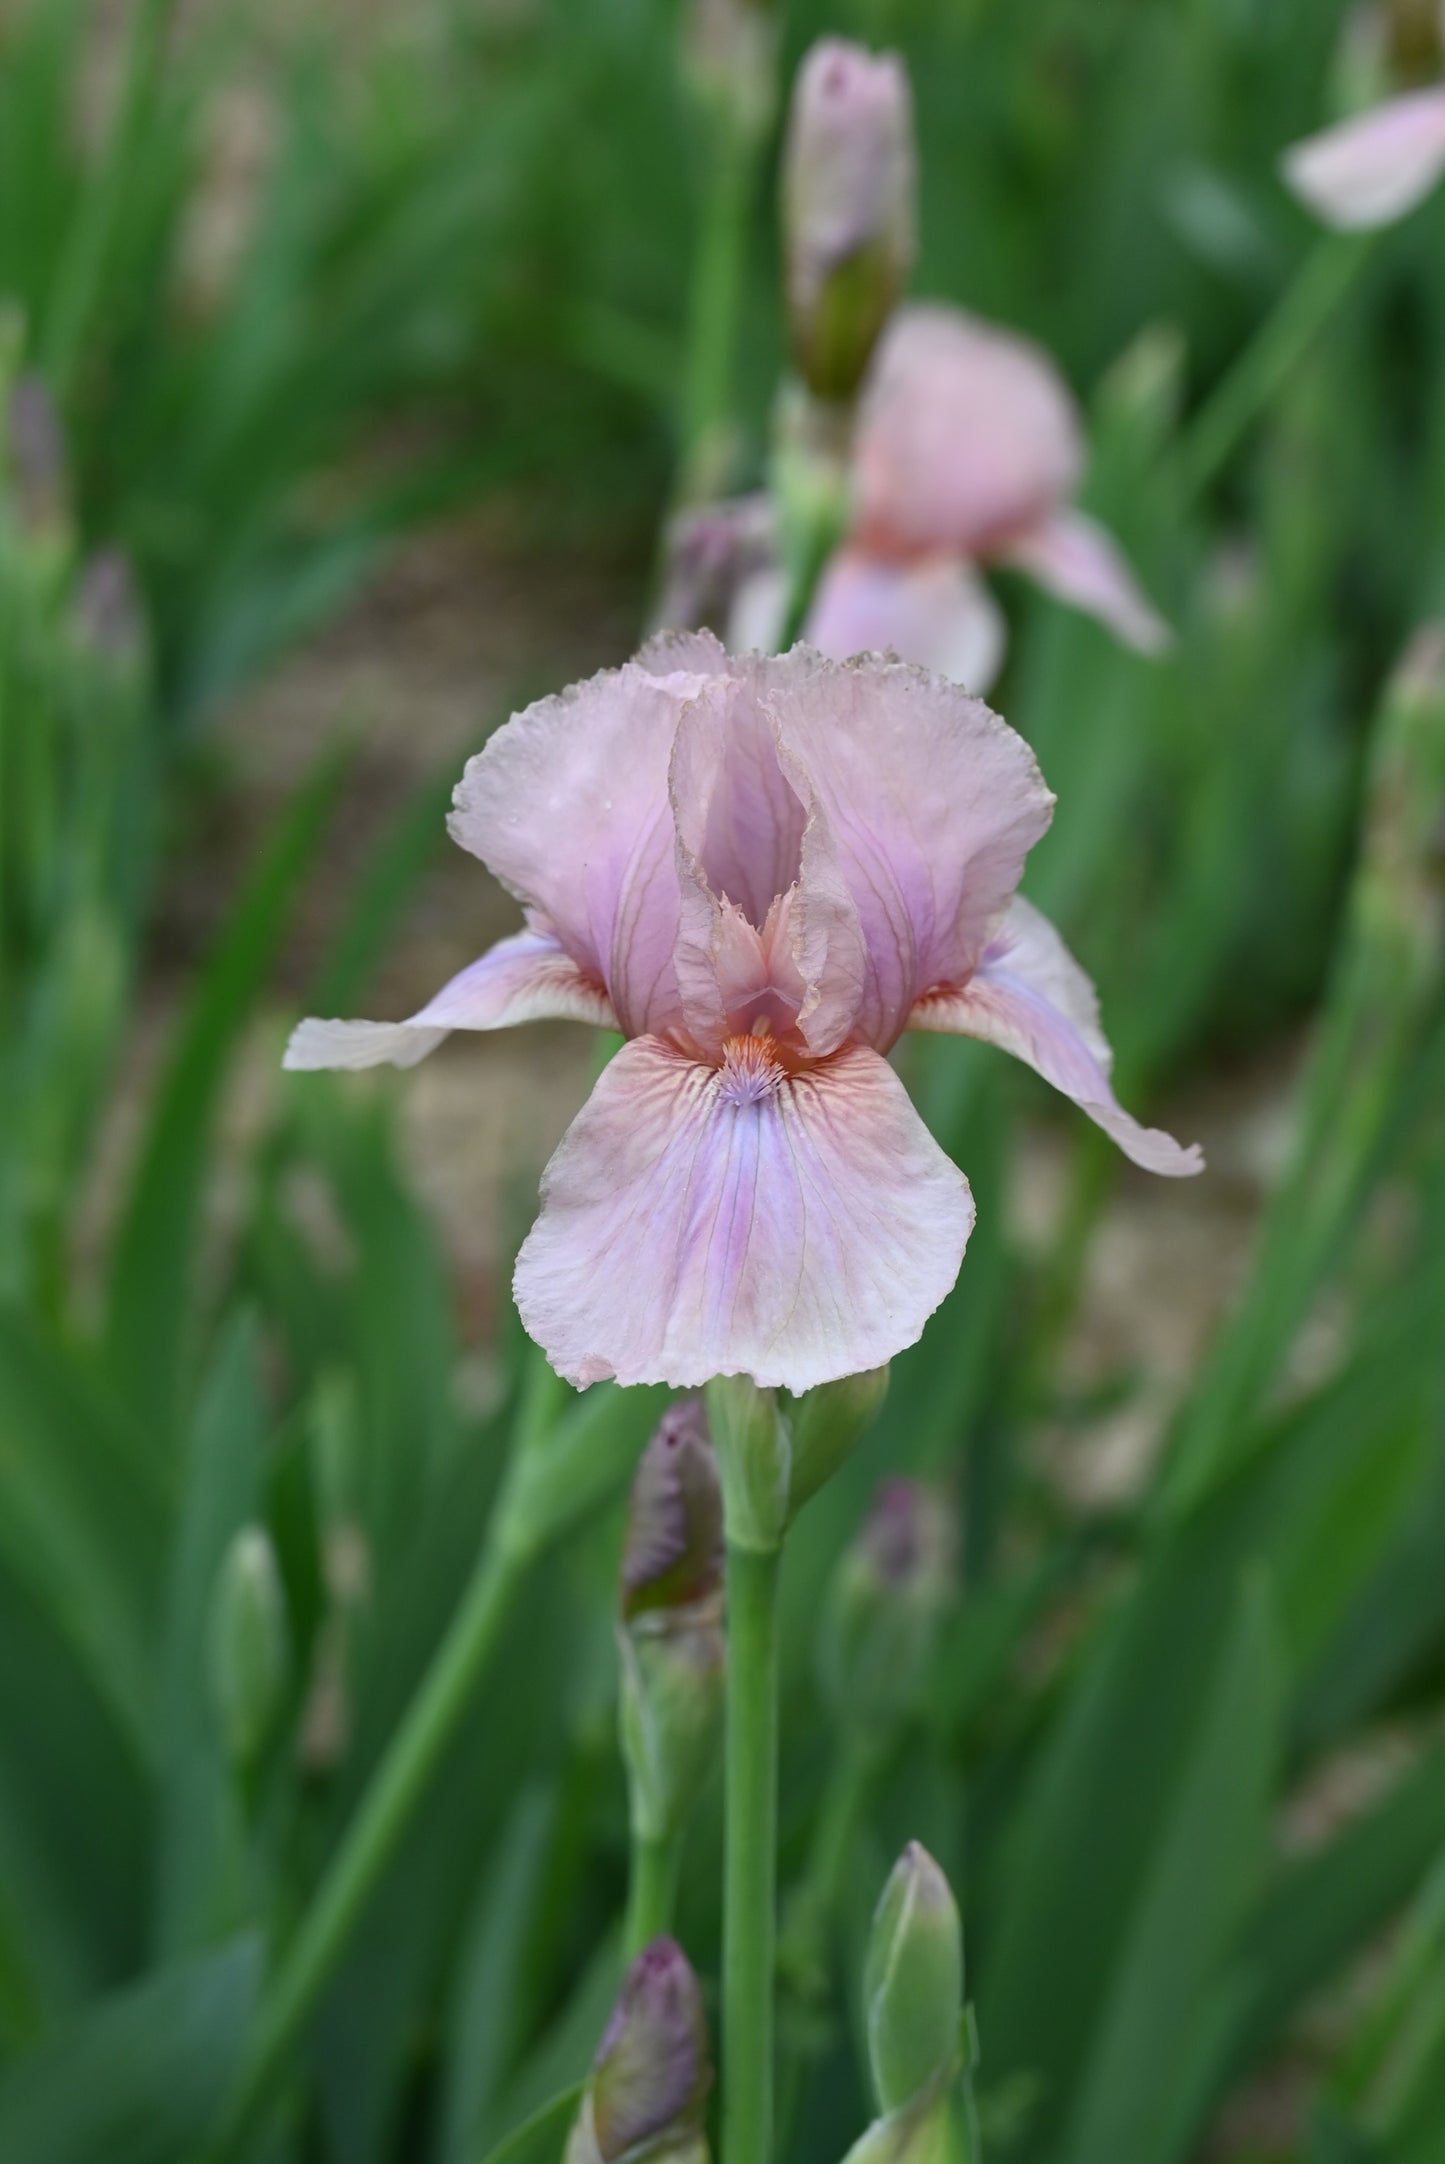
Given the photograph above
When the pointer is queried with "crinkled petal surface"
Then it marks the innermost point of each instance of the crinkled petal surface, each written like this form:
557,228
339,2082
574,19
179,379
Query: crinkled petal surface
1375,166
527,978
1030,997
568,805
1075,559
967,435
931,804
702,1221
934,611
768,929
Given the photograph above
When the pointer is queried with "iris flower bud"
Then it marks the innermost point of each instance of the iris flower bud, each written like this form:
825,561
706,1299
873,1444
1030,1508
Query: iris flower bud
106,612
250,1651
913,1983
889,1595
755,1461
650,2078
849,214
729,58
827,1426
670,1628
36,446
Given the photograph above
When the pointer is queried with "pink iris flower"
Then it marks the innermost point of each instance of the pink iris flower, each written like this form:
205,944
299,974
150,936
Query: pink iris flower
968,450
761,871
1377,165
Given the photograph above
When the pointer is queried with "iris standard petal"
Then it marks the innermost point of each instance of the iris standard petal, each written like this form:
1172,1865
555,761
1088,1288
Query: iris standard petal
931,803
527,978
568,806
737,814
768,930
934,611
1374,167
967,434
1075,559
1029,996
705,1221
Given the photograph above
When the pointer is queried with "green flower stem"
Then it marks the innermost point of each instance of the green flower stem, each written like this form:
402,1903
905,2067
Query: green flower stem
1267,362
431,1721
822,538
750,1866
652,1894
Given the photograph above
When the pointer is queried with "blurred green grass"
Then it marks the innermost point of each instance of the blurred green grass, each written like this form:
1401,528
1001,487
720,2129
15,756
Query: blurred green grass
466,273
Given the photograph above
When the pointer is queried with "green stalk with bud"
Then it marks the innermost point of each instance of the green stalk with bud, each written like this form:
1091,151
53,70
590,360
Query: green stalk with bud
772,1458
885,1606
673,1655
850,185
920,2035
649,2083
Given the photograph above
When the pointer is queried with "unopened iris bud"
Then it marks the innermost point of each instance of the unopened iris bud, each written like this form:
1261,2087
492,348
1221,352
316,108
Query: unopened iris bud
849,213
249,1645
712,553
106,610
670,1633
730,61
913,1984
888,1597
653,2069
755,1461
36,447
1415,31
826,1427
674,1549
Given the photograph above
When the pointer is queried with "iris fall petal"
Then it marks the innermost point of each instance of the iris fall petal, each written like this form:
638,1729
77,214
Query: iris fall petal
1075,559
527,978
1375,166
704,1220
1030,997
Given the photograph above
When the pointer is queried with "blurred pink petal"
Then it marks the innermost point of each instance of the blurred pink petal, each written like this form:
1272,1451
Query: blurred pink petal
966,436
699,1221
1075,559
755,620
568,806
932,804
935,611
1030,997
526,978
1373,168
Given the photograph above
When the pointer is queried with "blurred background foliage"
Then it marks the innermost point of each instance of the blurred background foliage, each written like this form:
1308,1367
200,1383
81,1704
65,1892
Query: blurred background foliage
1179,1744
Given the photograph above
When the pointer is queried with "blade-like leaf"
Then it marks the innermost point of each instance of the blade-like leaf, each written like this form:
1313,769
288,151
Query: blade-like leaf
1142,2077
196,1895
152,1267
134,2080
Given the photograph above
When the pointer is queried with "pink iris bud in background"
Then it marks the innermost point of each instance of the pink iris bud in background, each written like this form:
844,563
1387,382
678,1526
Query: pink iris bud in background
968,450
729,57
762,871
850,183
671,1643
653,2069
885,1606
1377,165
34,448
